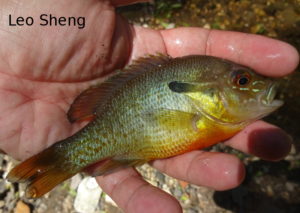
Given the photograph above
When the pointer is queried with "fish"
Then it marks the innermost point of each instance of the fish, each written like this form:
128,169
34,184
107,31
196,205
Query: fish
156,108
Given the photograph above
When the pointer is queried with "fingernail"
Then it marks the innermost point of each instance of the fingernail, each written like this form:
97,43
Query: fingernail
270,144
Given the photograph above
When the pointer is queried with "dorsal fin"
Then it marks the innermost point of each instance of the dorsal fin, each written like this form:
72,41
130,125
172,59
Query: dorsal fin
147,62
85,105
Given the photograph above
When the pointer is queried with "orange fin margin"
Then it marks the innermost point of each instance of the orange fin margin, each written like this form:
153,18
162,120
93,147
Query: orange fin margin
40,173
45,182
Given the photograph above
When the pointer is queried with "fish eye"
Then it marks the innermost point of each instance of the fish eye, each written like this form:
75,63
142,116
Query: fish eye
241,78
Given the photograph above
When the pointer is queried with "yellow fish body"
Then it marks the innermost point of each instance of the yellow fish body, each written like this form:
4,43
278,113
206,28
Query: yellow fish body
157,108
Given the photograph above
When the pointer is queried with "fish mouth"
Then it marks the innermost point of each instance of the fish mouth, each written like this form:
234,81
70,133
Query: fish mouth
269,98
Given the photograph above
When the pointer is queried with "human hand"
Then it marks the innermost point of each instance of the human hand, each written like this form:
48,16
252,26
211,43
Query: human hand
42,70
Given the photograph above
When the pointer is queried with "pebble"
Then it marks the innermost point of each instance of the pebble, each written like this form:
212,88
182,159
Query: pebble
290,186
166,188
88,196
183,184
2,187
75,181
109,200
22,207
170,26
160,177
177,192
270,191
192,211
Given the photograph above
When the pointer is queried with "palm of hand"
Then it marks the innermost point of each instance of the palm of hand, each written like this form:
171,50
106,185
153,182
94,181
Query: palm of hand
43,69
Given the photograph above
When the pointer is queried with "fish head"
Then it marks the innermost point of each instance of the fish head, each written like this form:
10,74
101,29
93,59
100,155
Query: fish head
229,93
245,95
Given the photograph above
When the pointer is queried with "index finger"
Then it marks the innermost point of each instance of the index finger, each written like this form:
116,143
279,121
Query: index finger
268,56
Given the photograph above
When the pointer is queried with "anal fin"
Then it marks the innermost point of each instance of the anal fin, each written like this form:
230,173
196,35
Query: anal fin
111,165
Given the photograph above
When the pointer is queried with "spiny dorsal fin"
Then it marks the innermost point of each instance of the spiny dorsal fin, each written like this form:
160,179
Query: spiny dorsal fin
148,62
85,105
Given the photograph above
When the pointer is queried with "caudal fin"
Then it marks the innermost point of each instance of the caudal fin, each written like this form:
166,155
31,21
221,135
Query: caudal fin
42,172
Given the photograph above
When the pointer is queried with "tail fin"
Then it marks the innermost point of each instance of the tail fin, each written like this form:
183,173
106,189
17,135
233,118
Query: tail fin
42,173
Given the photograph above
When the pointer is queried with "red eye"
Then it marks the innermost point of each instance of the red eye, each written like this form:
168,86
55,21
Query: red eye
241,78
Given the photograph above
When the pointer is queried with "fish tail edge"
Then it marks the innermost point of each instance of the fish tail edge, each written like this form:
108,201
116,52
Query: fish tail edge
40,173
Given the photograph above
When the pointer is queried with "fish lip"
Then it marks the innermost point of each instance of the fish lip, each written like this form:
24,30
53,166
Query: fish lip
268,99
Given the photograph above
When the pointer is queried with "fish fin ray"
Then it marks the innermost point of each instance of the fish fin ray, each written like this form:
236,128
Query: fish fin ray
40,173
148,62
84,106
112,165
30,167
43,183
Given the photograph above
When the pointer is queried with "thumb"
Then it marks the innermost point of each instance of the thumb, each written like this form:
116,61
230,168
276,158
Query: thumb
118,3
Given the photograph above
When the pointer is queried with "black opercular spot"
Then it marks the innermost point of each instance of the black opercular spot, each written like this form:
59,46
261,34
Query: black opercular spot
178,87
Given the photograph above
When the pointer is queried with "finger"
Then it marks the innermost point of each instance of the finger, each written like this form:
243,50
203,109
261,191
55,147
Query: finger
268,56
127,188
146,41
263,140
118,3
215,170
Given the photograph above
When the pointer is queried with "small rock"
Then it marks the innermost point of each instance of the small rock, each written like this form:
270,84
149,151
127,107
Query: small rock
166,188
270,191
177,193
22,207
290,186
75,181
109,200
42,208
170,26
191,210
2,187
88,195
22,189
207,26
2,203
160,177
183,184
